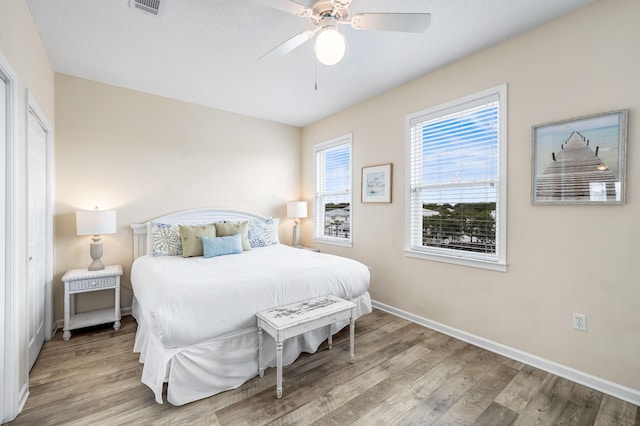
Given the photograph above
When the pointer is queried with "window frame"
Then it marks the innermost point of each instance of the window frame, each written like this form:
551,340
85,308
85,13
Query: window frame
318,209
497,262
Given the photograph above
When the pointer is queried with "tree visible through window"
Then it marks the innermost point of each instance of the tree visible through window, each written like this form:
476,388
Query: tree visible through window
456,188
333,191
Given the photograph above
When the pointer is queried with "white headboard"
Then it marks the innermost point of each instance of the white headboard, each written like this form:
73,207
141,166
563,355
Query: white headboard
141,239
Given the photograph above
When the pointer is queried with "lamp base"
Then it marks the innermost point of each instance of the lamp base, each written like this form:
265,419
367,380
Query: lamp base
96,265
95,250
296,236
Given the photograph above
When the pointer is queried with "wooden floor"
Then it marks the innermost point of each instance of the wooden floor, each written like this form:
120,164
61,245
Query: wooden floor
404,374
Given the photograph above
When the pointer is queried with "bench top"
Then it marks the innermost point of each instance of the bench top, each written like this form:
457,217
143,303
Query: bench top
304,311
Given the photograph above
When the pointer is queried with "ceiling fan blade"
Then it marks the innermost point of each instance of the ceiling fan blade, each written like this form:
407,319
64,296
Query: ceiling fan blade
405,22
290,44
286,6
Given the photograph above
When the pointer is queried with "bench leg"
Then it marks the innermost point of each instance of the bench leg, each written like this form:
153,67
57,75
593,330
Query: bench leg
260,367
352,340
330,340
279,369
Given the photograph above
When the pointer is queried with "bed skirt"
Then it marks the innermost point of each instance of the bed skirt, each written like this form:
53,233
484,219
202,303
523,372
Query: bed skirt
202,370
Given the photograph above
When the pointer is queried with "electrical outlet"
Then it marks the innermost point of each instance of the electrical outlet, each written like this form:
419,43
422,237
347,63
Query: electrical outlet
580,322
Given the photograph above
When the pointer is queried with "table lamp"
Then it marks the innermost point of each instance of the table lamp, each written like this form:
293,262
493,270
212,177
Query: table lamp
296,210
96,223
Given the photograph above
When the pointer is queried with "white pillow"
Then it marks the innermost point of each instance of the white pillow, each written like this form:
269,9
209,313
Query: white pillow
166,239
263,233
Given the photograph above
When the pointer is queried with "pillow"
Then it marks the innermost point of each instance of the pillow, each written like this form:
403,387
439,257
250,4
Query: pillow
219,246
263,233
191,236
225,229
166,239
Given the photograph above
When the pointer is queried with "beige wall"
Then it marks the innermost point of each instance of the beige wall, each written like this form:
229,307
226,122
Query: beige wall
562,259
21,45
147,156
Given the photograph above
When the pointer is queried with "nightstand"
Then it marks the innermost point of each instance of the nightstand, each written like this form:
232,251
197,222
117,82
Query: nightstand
83,281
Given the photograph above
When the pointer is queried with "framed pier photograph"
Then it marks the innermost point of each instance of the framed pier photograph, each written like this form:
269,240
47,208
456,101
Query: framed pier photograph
580,161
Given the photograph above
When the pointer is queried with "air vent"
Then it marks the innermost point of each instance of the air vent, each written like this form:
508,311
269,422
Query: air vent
154,7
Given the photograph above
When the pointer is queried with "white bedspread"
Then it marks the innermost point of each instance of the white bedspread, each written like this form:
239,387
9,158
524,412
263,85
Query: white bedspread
187,301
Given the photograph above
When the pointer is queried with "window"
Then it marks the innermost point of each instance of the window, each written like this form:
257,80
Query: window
333,191
457,181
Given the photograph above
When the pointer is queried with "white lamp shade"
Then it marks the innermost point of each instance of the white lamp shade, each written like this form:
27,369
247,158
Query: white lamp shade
95,222
330,46
297,209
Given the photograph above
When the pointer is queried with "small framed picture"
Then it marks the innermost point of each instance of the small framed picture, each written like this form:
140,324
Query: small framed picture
580,161
376,183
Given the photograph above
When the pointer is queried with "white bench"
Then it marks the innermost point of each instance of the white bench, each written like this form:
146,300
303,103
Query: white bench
297,318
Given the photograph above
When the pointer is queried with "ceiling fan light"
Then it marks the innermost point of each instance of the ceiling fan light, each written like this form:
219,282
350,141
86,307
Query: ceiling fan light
330,46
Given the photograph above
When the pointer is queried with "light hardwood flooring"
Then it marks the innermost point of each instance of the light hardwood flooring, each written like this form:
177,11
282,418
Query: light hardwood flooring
404,374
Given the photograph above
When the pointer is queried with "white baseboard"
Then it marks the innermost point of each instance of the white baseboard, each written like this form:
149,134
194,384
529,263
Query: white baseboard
616,390
23,396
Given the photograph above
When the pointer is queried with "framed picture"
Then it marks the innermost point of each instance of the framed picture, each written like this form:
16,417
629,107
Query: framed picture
376,184
580,161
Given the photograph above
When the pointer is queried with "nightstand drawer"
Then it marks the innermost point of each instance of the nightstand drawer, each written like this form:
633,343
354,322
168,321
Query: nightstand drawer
92,283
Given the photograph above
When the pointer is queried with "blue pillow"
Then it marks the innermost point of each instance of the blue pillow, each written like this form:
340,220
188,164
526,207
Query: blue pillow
219,246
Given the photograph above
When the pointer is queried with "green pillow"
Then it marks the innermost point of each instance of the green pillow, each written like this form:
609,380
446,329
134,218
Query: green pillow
191,236
225,229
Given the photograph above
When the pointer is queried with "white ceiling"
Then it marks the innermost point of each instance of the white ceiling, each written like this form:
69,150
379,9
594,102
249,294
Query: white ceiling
206,51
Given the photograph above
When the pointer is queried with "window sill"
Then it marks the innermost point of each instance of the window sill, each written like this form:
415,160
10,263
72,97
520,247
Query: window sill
474,263
333,242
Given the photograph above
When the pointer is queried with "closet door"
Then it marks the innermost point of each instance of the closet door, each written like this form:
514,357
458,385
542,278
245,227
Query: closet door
4,388
3,201
36,235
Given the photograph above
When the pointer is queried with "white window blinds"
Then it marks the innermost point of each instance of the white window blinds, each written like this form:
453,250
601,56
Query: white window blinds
333,190
455,178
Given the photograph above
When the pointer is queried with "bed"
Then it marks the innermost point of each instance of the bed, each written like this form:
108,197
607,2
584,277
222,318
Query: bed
196,315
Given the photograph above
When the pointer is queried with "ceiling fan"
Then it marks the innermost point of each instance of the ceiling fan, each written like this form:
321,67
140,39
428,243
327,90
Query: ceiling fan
328,15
